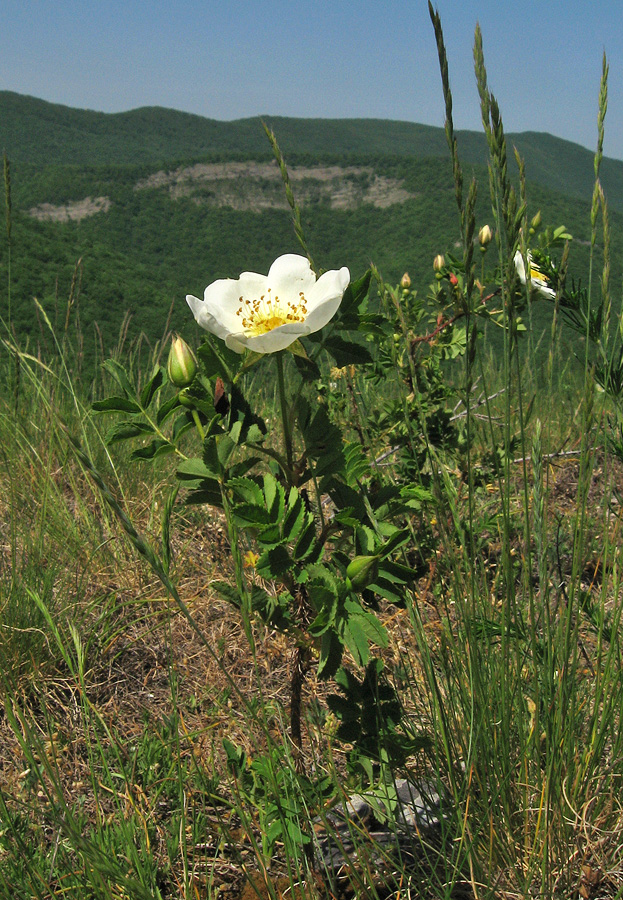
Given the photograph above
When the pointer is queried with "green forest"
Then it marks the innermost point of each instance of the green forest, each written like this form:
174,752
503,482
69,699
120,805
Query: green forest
128,268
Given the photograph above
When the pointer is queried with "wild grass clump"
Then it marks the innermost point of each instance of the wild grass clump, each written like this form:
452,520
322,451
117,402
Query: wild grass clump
250,602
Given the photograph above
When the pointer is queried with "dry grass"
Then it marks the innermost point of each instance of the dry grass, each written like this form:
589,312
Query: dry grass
137,646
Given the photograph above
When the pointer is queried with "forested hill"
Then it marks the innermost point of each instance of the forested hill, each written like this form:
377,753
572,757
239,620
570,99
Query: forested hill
115,218
43,134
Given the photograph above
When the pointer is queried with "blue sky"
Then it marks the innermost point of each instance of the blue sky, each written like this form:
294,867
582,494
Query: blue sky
337,59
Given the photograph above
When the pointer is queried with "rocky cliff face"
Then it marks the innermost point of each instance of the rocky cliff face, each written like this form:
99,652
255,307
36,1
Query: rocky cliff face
251,186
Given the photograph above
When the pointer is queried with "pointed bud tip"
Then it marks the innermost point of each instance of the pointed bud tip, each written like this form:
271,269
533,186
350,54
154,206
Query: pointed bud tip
182,363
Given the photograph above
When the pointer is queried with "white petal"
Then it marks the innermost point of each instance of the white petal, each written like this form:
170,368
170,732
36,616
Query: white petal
271,342
251,286
289,275
542,287
324,298
231,341
221,300
205,318
519,266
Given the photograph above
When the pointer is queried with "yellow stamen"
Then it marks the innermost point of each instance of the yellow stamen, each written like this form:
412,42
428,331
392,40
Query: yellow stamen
537,275
267,313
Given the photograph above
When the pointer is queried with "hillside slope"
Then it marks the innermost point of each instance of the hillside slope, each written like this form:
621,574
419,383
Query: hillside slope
42,134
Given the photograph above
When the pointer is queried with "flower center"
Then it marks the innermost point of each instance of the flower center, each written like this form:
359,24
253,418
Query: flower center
267,313
537,275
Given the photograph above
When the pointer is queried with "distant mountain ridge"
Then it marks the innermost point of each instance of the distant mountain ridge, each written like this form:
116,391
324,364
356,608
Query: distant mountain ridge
124,214
38,133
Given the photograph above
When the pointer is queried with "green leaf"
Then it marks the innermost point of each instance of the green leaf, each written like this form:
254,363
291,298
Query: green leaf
116,404
397,573
208,493
294,516
364,540
401,536
357,464
223,362
166,527
275,497
157,447
270,535
166,409
210,456
354,300
153,385
384,588
343,708
273,610
248,515
226,448
201,395
127,430
324,595
120,375
244,425
331,650
182,424
356,640
347,352
307,368
323,439
245,465
228,592
371,626
307,542
247,490
274,563
193,469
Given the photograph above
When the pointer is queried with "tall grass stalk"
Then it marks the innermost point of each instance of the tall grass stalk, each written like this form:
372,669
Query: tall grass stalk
9,225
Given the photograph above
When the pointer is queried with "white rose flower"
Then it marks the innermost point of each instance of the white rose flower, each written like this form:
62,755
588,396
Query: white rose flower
537,279
267,313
